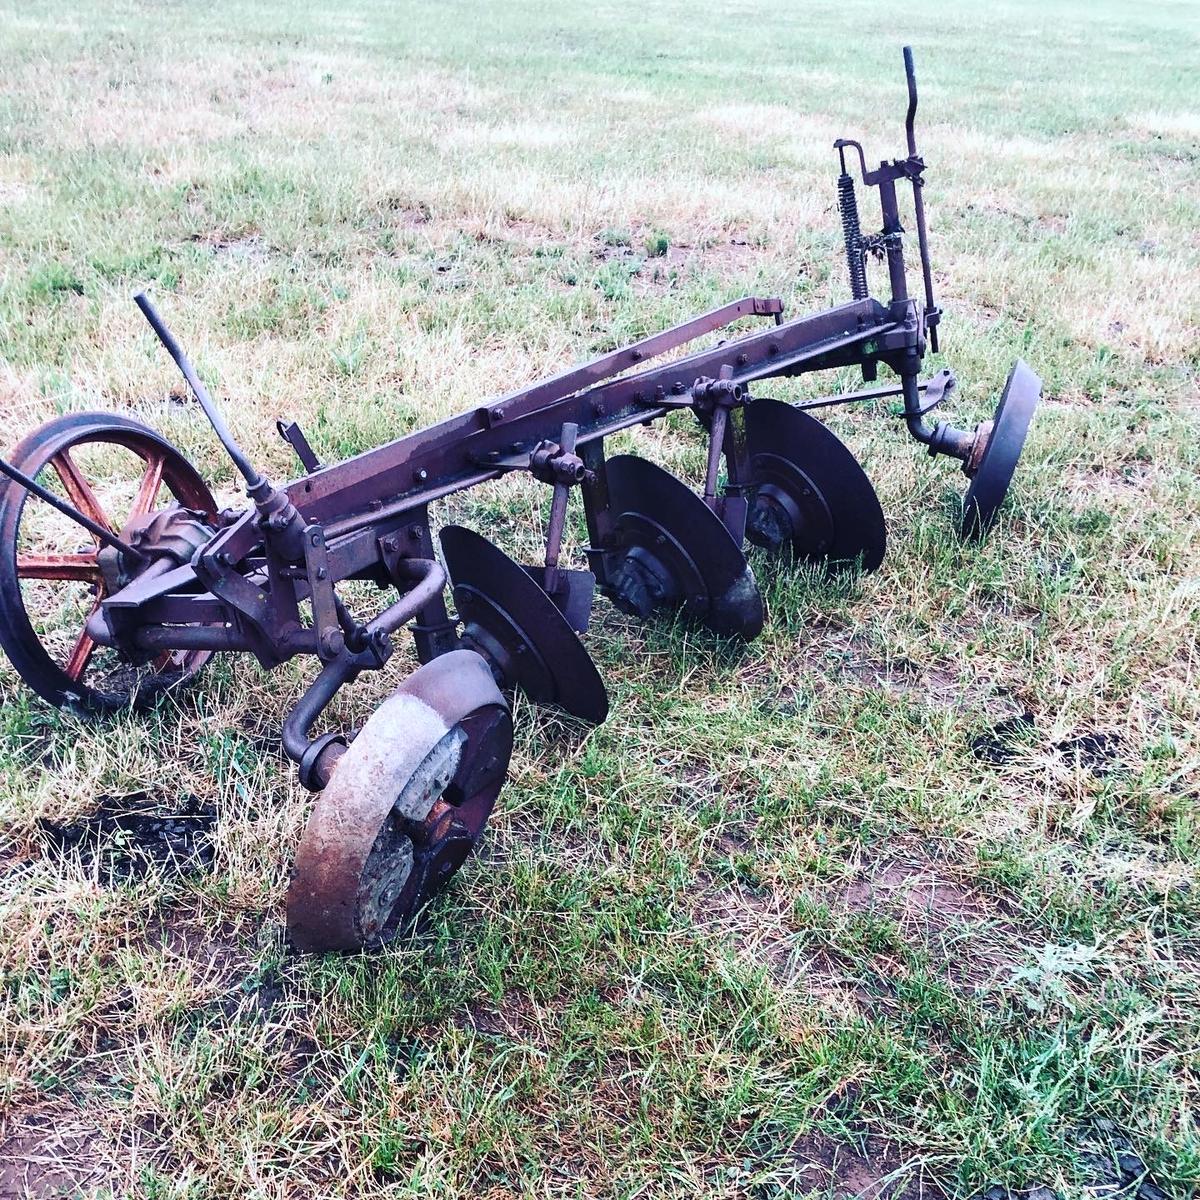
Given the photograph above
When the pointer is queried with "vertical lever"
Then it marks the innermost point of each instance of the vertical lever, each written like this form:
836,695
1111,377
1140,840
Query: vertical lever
252,477
558,510
932,312
278,516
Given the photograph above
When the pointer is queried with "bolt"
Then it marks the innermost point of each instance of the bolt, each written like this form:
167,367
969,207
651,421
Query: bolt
391,545
497,413
322,573
422,475
415,533
742,360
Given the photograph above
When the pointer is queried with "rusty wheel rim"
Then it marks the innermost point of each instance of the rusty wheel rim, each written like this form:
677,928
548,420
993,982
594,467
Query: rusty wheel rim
114,471
406,805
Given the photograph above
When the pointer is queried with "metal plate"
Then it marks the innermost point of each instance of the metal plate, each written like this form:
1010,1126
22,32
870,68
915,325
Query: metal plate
516,624
1010,427
682,550
813,500
406,803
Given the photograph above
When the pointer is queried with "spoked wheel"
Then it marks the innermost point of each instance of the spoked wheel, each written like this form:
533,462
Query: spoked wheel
509,619
812,501
676,554
406,804
1005,438
115,471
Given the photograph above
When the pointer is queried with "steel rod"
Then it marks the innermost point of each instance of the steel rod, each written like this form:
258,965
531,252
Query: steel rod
69,510
243,464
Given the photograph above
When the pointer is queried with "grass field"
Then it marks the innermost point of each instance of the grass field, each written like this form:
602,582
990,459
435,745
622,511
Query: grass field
796,920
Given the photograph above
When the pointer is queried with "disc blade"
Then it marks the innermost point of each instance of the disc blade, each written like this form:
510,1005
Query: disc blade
537,649
1010,427
674,531
812,498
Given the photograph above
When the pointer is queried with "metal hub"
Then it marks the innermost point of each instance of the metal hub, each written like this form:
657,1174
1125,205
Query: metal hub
641,583
40,580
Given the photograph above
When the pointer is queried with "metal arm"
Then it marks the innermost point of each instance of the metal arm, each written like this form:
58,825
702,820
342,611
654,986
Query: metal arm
933,314
252,477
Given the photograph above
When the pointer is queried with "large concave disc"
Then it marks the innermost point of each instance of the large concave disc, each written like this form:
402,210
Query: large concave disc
406,803
1010,427
677,553
811,498
512,620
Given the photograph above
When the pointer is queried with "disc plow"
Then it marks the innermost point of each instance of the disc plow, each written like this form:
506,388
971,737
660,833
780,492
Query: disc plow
106,604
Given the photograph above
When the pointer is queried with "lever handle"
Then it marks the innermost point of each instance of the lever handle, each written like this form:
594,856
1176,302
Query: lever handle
910,118
243,464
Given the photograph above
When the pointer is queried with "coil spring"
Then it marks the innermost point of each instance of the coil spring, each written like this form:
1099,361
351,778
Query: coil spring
852,233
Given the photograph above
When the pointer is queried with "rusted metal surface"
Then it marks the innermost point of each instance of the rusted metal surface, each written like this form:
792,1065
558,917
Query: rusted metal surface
405,800
1002,446
813,500
672,553
509,619
406,803
55,450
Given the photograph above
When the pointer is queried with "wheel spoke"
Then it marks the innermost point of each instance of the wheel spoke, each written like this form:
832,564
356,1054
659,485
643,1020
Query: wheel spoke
148,488
81,655
78,488
58,566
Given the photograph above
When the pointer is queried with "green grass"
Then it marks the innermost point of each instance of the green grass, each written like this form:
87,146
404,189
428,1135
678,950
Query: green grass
774,912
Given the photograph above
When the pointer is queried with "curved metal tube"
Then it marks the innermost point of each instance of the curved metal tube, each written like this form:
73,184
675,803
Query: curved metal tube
369,653
942,438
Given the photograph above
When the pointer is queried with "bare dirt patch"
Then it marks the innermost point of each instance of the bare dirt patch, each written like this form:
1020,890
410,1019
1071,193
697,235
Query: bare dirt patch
757,927
832,659
128,835
873,1170
44,1155
247,248
966,933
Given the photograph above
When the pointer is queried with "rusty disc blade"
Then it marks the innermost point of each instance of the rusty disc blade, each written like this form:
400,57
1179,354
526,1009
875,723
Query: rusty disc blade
508,616
812,500
677,553
1010,427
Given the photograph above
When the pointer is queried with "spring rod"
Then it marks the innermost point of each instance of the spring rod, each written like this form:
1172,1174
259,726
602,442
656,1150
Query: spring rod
852,233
